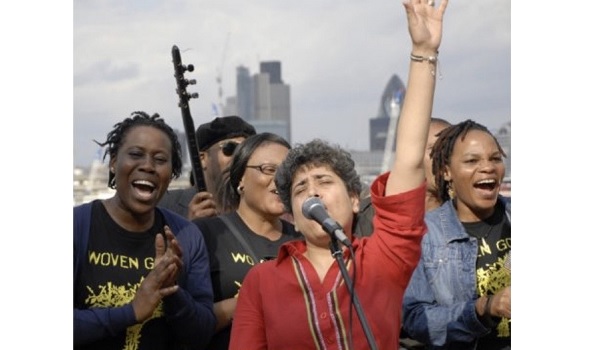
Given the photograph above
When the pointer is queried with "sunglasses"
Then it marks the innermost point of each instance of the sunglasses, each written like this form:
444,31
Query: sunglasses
228,148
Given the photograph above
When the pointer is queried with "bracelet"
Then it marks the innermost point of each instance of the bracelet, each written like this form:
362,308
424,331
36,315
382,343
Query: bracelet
430,59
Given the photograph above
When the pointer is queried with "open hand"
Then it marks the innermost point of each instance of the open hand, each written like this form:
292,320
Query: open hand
169,247
425,25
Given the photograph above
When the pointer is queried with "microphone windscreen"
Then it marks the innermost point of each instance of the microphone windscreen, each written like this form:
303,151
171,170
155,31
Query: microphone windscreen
308,206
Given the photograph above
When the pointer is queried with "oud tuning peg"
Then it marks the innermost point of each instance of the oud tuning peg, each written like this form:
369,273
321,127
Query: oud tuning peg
190,68
191,81
194,95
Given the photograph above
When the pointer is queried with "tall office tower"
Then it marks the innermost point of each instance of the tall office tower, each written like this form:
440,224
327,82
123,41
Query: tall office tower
273,68
390,106
261,96
263,100
244,98
271,101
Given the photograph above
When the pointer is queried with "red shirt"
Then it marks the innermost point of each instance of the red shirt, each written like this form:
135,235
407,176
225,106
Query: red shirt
283,304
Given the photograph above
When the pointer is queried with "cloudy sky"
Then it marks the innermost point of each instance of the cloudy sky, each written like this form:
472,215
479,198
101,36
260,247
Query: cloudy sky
337,56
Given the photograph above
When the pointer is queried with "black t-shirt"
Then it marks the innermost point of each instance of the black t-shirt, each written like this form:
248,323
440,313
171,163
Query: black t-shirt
116,263
494,244
363,221
229,261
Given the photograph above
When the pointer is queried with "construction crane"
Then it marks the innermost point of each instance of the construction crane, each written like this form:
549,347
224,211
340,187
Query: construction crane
219,78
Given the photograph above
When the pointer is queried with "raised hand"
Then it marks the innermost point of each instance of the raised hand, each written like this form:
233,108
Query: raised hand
425,24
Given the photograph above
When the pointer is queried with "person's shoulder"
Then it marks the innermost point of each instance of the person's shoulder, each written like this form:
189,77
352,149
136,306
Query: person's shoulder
208,221
366,208
264,268
435,216
171,214
84,210
365,204
178,224
210,226
505,200
178,195
84,206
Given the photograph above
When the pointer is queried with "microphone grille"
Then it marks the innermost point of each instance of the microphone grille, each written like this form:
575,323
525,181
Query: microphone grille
308,206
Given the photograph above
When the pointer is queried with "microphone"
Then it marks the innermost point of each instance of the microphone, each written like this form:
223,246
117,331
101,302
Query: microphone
314,209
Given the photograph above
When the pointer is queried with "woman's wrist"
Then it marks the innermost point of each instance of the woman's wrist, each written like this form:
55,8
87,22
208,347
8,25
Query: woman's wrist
425,52
430,60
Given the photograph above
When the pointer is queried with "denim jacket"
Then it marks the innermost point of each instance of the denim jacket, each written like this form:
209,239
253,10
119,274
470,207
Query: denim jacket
439,303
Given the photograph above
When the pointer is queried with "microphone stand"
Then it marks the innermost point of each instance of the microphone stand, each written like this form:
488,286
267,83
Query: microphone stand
336,250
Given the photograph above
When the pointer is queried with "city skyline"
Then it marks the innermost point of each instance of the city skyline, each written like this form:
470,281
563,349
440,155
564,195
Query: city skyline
545,104
337,60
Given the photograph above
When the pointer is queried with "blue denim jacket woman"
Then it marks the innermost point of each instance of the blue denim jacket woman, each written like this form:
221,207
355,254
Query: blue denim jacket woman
439,303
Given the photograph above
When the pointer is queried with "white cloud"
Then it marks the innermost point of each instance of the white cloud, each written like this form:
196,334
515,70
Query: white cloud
336,56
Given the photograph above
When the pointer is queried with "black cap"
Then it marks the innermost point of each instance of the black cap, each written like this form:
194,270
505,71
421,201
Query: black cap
222,128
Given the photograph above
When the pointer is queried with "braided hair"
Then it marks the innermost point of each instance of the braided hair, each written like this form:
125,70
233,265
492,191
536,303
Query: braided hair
443,149
116,137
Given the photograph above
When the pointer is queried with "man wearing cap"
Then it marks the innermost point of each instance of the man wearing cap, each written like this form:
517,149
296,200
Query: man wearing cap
217,141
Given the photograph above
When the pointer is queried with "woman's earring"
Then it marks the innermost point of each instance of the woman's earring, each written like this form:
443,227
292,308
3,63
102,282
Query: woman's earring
240,189
450,190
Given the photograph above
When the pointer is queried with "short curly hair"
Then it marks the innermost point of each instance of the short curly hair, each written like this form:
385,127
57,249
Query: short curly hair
116,137
316,153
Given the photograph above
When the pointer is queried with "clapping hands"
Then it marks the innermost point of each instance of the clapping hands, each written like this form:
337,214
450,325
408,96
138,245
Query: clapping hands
161,281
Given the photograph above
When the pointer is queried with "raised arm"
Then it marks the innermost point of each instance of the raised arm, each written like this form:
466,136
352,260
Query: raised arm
425,27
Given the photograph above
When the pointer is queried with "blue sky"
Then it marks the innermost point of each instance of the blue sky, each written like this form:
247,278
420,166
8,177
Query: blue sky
337,57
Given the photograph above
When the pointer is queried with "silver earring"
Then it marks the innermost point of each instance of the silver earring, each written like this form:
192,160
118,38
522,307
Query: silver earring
240,189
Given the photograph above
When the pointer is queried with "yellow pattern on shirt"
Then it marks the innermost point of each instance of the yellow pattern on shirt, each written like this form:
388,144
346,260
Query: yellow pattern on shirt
111,295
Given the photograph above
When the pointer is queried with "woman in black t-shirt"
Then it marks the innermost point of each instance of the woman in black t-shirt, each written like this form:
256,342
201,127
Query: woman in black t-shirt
253,229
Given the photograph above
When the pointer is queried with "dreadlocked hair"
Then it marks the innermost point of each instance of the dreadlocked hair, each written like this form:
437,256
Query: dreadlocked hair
443,149
138,118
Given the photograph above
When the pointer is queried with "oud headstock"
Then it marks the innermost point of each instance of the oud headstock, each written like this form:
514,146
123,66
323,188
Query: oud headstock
181,81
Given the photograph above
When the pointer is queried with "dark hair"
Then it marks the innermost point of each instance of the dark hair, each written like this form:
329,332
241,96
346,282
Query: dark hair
116,137
229,193
443,149
316,153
